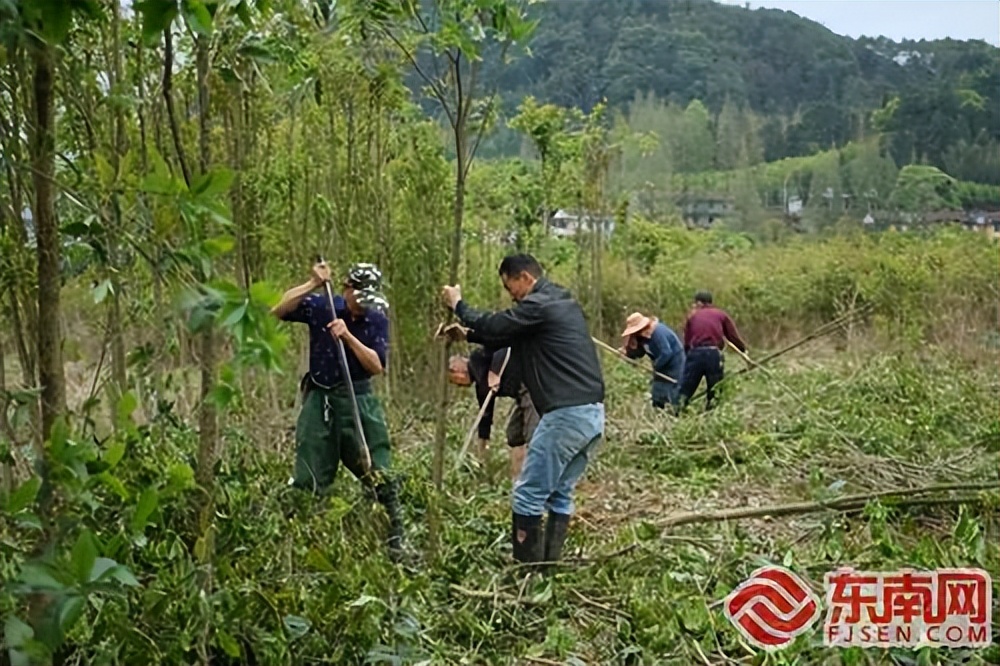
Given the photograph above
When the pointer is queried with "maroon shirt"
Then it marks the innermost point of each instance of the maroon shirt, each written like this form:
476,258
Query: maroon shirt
708,326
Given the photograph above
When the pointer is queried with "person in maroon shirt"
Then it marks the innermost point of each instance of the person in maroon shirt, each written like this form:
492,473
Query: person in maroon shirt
705,333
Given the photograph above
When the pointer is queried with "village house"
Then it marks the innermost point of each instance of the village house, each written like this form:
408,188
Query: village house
703,210
567,224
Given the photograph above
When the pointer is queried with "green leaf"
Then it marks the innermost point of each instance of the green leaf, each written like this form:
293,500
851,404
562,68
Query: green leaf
218,245
264,293
180,476
156,17
212,183
56,18
218,211
200,319
243,11
39,576
365,600
17,635
148,501
227,643
23,496
123,576
101,566
158,183
235,316
317,560
114,484
71,608
197,16
123,410
258,53
222,395
29,521
106,568
105,173
83,555
92,8
114,453
101,290
77,228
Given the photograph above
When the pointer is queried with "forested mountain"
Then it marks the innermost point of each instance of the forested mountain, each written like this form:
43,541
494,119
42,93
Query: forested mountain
811,89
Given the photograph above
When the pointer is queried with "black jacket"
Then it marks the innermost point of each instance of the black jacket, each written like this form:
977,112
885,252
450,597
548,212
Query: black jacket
550,344
486,359
481,362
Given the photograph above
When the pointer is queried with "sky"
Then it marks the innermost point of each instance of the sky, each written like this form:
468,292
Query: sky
897,19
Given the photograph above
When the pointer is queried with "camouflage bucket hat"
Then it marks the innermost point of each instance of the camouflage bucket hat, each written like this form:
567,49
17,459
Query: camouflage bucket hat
367,282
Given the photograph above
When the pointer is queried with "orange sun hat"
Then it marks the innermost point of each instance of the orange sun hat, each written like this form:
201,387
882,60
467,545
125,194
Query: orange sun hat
635,323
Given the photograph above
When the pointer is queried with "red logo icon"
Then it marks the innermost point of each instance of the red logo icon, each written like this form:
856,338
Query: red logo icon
772,607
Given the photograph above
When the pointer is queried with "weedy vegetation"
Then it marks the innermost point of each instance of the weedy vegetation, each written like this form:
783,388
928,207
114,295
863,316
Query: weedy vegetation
182,165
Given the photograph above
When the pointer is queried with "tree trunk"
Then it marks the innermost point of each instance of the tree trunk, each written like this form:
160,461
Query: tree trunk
168,97
208,418
441,426
21,294
6,466
50,366
116,325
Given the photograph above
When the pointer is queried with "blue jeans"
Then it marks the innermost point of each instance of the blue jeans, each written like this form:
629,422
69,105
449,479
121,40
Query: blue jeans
664,392
561,446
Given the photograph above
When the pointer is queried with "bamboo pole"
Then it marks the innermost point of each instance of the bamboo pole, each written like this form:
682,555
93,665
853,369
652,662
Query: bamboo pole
608,348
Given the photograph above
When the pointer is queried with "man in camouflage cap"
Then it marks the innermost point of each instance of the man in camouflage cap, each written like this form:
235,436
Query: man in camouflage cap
325,433
366,280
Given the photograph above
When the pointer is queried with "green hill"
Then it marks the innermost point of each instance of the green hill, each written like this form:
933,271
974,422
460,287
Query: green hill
810,89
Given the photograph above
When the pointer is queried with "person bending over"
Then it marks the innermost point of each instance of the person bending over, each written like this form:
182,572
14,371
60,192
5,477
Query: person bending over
482,368
647,336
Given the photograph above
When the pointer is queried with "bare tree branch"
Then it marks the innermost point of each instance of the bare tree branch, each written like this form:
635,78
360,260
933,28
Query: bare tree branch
435,88
168,66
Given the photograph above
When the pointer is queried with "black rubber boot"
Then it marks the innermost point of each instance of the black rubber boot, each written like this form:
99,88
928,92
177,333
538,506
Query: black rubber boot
388,496
555,535
526,538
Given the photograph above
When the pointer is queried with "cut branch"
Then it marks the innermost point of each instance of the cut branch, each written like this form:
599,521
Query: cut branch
846,503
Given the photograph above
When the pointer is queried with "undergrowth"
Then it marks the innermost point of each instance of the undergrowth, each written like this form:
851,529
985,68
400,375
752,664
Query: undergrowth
298,580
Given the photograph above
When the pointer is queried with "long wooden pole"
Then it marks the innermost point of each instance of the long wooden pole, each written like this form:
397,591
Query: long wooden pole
608,348
366,460
822,331
482,411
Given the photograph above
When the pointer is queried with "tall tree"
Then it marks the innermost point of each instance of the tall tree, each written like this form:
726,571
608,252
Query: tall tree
450,44
44,26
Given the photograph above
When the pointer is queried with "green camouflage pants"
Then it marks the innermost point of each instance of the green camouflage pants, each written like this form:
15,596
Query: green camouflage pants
325,437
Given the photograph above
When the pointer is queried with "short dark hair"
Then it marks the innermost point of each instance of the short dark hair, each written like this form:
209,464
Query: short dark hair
515,264
703,297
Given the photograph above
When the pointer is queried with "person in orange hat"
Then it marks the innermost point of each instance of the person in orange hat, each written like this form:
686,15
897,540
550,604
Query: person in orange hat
647,336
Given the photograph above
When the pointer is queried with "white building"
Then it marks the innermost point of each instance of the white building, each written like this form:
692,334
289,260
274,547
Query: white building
565,224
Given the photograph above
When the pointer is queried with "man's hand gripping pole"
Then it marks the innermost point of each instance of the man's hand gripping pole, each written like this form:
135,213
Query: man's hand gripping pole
366,460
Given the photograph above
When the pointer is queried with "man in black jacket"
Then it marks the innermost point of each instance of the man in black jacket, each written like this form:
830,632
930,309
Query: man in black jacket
557,361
